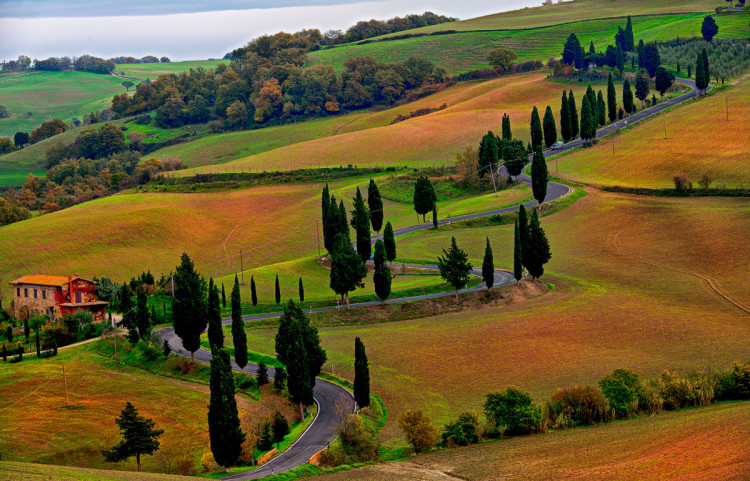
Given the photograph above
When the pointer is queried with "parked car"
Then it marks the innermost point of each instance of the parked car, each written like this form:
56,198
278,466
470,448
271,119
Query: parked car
558,145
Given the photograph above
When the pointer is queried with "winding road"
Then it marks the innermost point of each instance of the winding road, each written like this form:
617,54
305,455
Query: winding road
326,394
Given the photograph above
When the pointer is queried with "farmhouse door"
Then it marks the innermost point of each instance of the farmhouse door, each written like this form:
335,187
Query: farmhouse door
78,297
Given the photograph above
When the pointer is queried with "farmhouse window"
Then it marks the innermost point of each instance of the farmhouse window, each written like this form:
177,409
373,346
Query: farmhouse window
35,294
44,293
25,292
78,297
18,292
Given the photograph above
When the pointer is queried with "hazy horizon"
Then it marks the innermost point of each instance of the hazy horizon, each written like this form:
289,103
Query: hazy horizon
173,35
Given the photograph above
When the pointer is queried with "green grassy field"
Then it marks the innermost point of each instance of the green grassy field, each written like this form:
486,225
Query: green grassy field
153,70
466,51
49,95
698,444
575,11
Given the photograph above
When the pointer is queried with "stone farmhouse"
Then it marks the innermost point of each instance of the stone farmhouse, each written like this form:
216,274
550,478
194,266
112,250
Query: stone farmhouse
55,296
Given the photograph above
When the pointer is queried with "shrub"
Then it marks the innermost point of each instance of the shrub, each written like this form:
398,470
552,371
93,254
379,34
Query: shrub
682,183
245,382
144,119
511,412
705,181
208,463
418,430
622,389
463,431
577,405
698,389
357,443
736,385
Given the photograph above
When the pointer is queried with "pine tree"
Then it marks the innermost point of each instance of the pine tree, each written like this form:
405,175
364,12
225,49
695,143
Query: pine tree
189,305
361,375
347,269
390,242
375,205
507,134
537,253
572,52
223,419
424,196
166,349
239,337
454,266
611,99
488,266
265,440
602,109
223,297
539,174
517,254
215,334
537,136
280,428
488,154
279,378
301,291
278,290
573,111
565,130
627,98
138,437
262,374
253,292
629,35
141,313
361,225
550,129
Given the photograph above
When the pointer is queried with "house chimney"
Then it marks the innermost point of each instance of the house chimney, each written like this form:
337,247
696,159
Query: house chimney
78,275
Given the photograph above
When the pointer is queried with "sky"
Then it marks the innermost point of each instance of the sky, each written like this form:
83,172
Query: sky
192,29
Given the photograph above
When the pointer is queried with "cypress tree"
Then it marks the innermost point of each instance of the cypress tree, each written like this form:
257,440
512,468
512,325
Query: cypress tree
611,99
38,347
347,269
488,153
550,129
253,292
379,257
537,136
592,101
706,68
642,86
587,119
619,58
189,305
435,222
602,108
424,196
375,205
523,226
261,374
332,225
488,266
390,242
573,112
141,313
641,55
278,290
215,334
454,266
382,280
565,118
517,254
280,428
652,59
325,203
700,74
592,50
279,378
239,338
361,375
627,98
690,71
507,134
537,253
223,297
361,225
539,174
343,223
629,35
301,291
298,381
223,419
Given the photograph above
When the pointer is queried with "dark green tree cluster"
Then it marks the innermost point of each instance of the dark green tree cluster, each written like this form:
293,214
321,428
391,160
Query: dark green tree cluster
602,109
361,224
573,112
664,80
642,86
215,333
709,29
514,155
588,119
507,134
348,270
298,348
651,59
573,52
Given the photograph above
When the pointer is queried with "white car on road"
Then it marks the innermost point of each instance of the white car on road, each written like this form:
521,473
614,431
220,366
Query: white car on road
558,145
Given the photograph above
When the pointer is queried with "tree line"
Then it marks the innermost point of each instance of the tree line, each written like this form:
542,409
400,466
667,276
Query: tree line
84,63
374,28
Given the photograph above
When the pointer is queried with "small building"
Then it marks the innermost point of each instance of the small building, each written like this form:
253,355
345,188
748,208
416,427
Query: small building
55,296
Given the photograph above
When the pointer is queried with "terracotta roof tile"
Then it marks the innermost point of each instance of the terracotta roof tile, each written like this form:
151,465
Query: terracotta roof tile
44,280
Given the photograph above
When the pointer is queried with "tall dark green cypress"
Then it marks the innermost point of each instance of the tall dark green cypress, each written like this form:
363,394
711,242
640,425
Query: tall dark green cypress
189,305
298,381
361,225
239,338
700,74
550,129
627,98
325,204
565,130
375,205
706,68
278,290
301,291
587,120
537,253
629,35
602,108
517,254
223,418
215,334
390,242
539,175
332,225
641,55
343,222
619,58
253,291
223,297
573,111
488,266
592,98
141,312
382,280
523,226
507,134
361,375
537,136
611,99
488,153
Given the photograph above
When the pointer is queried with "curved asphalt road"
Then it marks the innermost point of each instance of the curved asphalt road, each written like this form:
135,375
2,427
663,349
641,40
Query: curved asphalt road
322,431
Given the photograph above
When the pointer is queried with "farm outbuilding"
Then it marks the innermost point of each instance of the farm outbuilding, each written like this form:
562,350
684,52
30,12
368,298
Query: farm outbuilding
55,296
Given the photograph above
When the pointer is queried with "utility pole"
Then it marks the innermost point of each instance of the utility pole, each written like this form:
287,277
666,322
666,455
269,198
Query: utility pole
172,278
65,381
665,126
242,268
317,232
727,99
613,147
